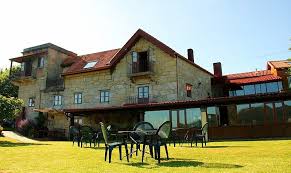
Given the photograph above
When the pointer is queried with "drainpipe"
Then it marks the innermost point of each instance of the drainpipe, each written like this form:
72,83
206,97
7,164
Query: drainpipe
177,81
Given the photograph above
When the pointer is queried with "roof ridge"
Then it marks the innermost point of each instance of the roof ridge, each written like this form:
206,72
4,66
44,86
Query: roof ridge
100,52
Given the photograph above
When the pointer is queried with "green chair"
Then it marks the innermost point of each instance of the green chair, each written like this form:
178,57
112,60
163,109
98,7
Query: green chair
74,134
200,135
160,139
87,135
110,146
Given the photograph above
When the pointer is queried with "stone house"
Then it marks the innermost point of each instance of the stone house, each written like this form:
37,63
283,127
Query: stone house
114,86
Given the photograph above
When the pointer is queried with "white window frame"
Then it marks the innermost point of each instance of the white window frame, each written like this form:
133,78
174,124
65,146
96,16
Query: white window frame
31,102
58,99
78,98
104,96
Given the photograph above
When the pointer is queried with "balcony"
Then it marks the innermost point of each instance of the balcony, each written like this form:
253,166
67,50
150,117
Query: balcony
141,69
132,100
23,76
54,84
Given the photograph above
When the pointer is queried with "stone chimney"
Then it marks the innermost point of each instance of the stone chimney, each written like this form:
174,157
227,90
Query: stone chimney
190,55
217,69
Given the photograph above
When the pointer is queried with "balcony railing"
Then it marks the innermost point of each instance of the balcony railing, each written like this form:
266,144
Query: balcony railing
24,75
137,100
135,69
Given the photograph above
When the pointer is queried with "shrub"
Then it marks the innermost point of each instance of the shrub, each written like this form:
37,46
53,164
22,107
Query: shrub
26,127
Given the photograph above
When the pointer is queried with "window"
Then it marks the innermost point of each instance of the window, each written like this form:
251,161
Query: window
140,62
90,64
287,105
104,96
143,92
279,112
78,98
78,120
31,102
156,118
249,89
193,117
240,92
272,87
134,57
289,81
57,100
213,116
189,90
40,62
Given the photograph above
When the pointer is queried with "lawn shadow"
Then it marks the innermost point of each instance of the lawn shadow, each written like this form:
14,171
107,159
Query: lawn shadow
216,146
17,144
183,163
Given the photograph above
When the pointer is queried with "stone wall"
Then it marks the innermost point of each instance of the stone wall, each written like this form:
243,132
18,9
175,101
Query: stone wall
200,81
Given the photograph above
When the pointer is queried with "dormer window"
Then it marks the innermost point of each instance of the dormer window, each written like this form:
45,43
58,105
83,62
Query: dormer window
90,64
22,66
40,62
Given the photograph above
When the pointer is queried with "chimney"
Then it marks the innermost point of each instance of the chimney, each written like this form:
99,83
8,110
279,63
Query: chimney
190,55
217,69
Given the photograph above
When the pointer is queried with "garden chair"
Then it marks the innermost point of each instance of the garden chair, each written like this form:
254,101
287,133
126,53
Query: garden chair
87,135
137,137
110,146
74,134
160,139
200,135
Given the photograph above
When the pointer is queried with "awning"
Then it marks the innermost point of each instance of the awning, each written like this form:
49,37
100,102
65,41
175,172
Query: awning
48,110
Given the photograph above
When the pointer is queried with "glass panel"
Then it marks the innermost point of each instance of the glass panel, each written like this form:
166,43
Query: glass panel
280,86
182,118
90,64
242,114
249,89
279,112
134,56
213,116
240,92
256,113
230,93
263,88
272,87
258,88
289,82
193,117
156,118
269,117
288,110
174,119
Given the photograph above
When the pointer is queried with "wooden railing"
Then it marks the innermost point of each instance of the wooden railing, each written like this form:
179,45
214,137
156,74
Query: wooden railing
136,100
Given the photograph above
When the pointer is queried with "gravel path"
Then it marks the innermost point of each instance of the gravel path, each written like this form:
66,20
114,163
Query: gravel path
18,137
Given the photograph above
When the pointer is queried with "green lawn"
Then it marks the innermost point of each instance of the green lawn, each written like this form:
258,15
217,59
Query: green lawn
229,156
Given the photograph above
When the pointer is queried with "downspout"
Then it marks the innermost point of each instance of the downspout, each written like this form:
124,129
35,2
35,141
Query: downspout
177,81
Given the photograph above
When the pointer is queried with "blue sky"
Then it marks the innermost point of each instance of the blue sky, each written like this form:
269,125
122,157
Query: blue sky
241,34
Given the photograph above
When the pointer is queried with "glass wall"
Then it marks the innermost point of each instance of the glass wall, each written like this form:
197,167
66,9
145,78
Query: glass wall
287,106
156,118
193,117
262,88
213,116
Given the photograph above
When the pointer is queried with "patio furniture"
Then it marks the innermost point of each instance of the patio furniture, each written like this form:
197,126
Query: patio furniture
74,134
86,135
137,136
159,139
110,146
200,135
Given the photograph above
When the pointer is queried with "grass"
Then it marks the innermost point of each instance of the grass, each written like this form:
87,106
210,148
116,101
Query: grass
226,156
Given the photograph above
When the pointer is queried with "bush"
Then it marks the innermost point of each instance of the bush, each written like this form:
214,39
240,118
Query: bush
26,127
1,129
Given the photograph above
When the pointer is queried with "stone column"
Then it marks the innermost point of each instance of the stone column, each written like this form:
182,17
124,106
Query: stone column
204,119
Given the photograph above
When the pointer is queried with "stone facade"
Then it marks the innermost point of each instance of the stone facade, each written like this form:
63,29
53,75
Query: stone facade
166,82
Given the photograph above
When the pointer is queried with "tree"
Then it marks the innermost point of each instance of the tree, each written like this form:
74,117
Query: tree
10,106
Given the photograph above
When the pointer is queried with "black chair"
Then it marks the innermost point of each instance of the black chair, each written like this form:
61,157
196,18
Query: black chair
137,136
74,134
86,135
110,146
160,139
200,135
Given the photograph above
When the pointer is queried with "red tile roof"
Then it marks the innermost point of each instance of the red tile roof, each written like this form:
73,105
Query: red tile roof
252,77
102,58
110,58
280,64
